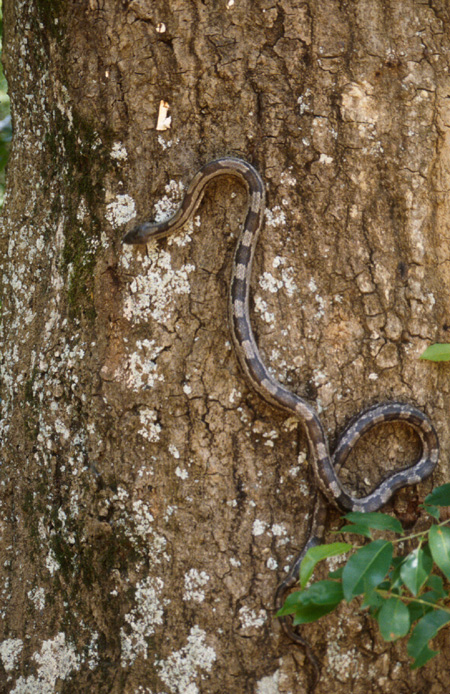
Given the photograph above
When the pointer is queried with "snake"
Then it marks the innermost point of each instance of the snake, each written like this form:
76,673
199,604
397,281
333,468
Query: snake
325,465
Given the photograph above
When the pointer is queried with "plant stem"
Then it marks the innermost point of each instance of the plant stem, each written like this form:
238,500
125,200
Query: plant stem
401,539
423,532
405,598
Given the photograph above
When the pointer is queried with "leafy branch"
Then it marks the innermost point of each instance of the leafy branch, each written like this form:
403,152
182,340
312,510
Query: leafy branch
402,593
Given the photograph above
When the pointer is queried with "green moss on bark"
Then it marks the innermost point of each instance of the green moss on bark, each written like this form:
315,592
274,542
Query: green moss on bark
86,162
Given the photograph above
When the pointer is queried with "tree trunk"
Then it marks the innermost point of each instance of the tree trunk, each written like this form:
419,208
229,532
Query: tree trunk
151,501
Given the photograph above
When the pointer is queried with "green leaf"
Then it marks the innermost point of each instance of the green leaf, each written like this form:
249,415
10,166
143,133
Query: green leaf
372,599
398,561
417,610
416,569
439,540
423,656
422,633
311,613
394,575
393,619
366,568
432,510
439,496
337,573
321,593
316,554
431,597
440,351
378,521
357,530
437,585
290,604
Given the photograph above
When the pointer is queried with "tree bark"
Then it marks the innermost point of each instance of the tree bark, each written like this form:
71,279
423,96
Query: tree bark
150,501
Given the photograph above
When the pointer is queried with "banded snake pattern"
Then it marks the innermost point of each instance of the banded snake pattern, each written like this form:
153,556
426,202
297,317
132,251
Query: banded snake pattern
325,466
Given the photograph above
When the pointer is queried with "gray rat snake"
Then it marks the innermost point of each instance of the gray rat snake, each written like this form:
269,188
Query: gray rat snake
325,465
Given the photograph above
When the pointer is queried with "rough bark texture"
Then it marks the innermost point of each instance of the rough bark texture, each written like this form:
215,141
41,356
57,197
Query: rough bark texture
150,502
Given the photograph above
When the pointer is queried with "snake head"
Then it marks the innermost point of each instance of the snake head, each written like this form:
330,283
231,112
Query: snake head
139,234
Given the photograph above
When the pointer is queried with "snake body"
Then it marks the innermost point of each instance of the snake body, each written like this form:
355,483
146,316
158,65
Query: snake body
325,466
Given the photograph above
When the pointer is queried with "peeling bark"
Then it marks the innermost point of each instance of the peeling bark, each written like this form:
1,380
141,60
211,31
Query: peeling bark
151,501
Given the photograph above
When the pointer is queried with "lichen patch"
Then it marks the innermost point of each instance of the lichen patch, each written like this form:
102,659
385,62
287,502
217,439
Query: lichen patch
120,211
142,620
179,671
55,661
152,291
